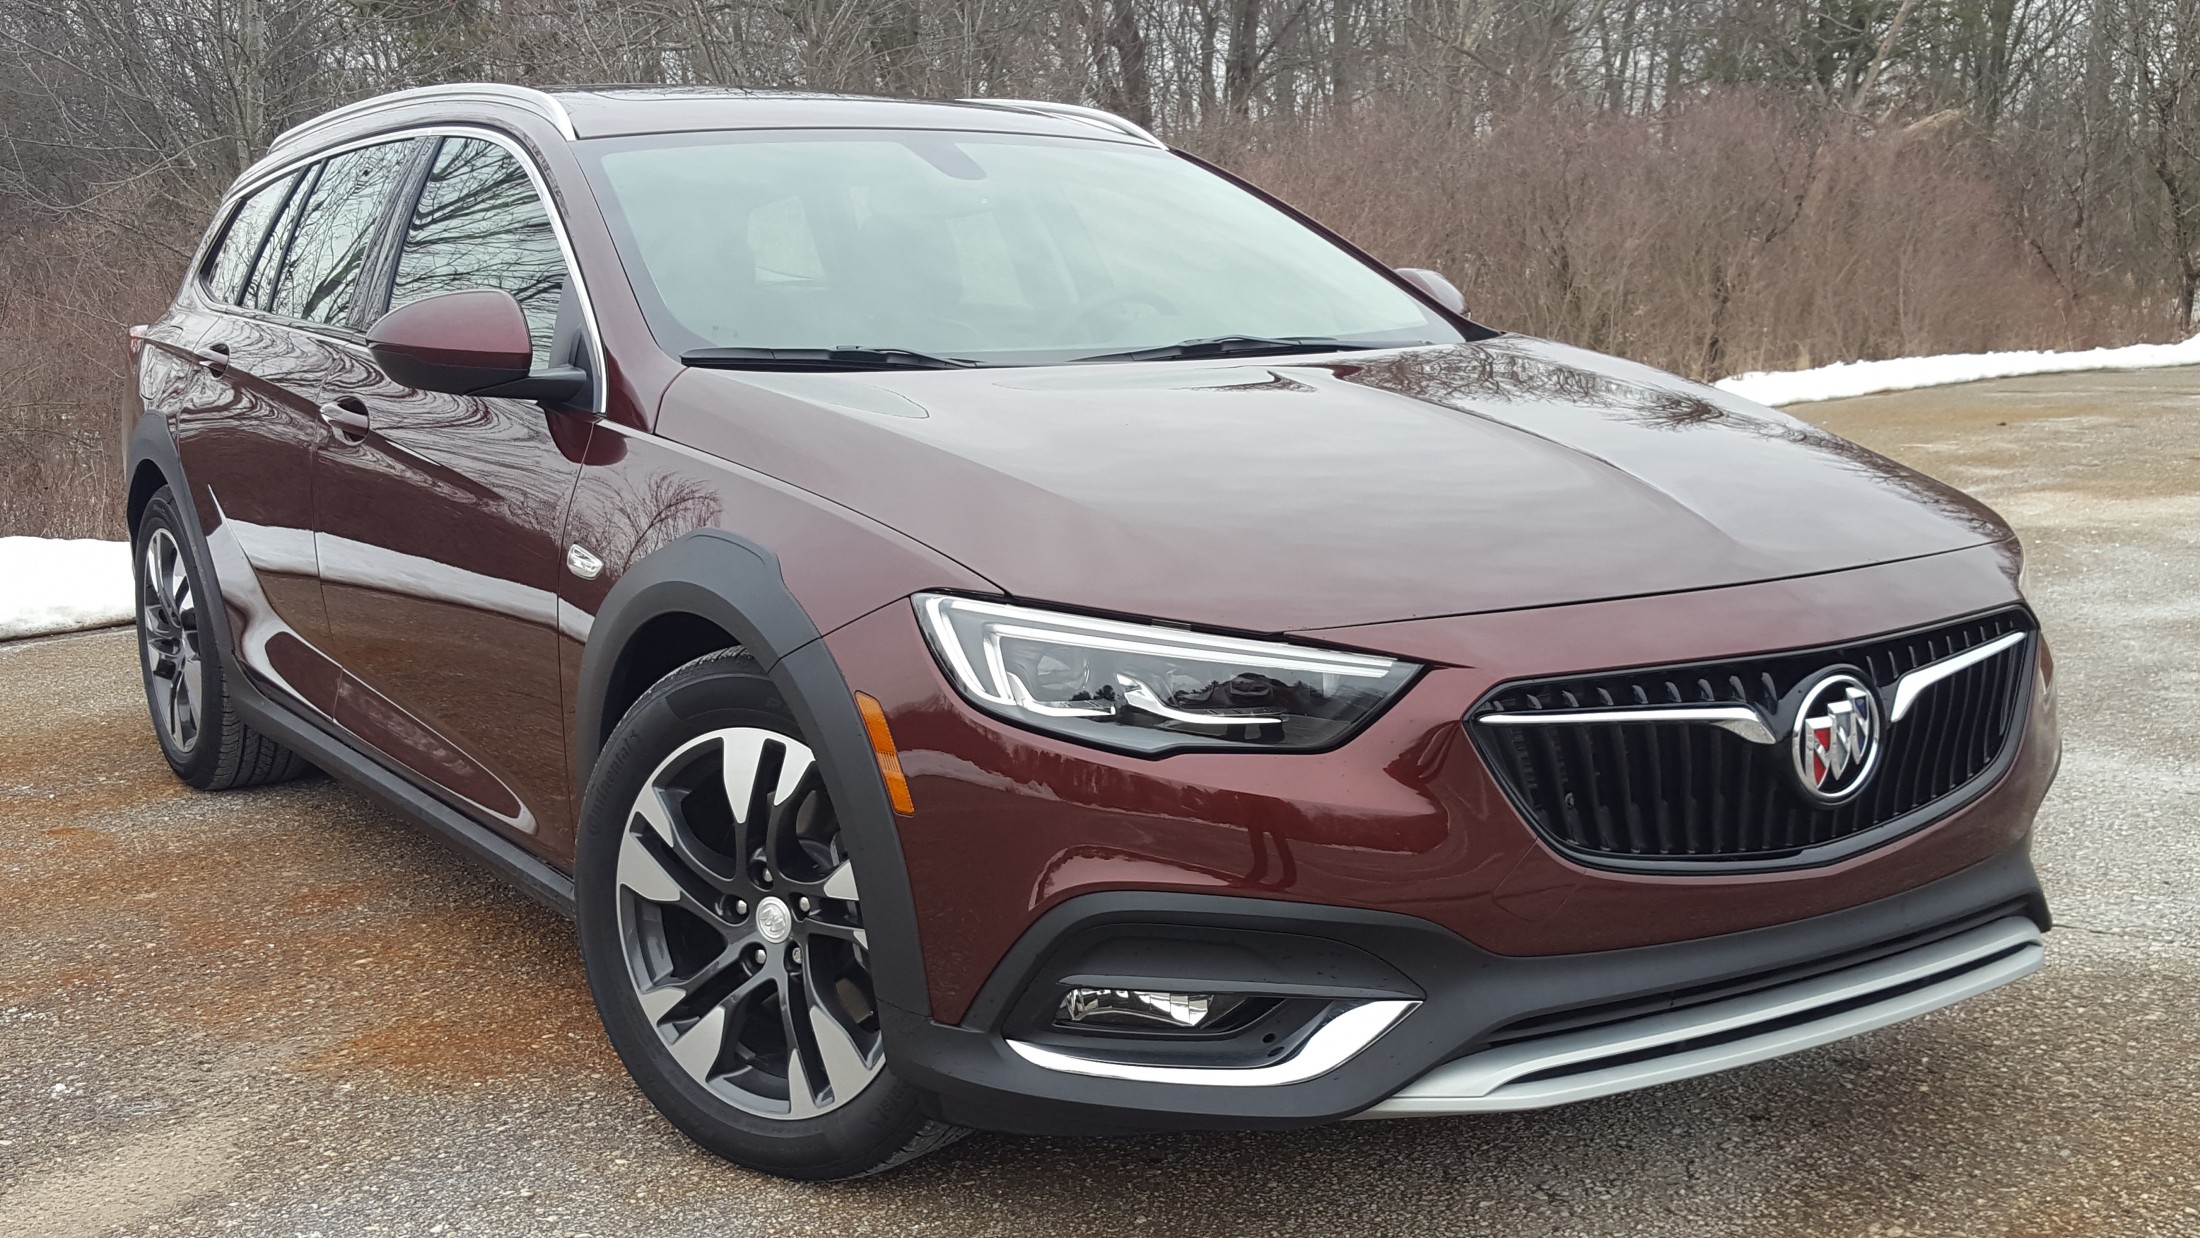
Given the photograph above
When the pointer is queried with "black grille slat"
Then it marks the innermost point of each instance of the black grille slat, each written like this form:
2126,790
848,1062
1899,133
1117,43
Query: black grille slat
1997,704
1955,693
1553,763
1917,772
2008,707
1584,777
1973,702
1714,754
1775,825
1683,791
1691,814
1882,800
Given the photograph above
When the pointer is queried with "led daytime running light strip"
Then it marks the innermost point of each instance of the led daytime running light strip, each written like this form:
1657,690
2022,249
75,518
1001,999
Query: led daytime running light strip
997,685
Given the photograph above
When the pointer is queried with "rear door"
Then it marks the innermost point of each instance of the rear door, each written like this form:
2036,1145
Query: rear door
438,526
276,296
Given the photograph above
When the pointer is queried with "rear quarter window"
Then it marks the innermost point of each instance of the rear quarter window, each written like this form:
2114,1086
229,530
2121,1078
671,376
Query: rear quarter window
230,264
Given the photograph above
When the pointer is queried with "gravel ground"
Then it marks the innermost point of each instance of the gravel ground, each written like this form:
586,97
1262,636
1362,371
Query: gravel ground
285,1012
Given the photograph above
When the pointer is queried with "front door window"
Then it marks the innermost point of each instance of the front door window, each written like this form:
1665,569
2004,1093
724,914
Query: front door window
480,224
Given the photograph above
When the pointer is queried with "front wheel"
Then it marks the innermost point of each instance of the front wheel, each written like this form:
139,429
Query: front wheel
722,926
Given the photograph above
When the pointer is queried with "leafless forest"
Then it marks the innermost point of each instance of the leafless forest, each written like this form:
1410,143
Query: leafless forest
1707,185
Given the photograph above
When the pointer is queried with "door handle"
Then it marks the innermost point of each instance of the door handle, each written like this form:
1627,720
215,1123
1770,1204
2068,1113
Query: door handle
214,359
348,416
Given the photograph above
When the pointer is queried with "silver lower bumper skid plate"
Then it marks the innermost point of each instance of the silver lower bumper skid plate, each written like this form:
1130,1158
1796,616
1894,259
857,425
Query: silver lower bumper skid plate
1720,1035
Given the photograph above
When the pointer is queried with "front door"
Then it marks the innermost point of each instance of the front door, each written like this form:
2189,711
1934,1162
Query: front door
437,527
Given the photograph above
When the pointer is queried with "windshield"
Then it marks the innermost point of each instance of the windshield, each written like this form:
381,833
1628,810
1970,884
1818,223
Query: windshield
999,249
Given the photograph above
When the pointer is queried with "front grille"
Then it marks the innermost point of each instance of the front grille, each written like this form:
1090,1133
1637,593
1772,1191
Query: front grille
1659,793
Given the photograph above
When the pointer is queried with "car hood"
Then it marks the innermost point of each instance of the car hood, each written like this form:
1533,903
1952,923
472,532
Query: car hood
1272,495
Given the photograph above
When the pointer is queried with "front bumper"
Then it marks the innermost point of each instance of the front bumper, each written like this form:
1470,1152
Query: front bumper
1476,1031
1393,869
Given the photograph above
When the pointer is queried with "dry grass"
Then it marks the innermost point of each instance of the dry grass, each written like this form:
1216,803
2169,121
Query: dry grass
67,299
1733,236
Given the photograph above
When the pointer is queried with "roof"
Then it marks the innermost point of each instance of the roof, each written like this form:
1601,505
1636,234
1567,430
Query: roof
605,111
581,112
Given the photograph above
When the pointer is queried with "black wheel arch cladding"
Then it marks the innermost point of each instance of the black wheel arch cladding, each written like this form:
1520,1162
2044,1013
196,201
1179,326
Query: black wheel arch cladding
886,1121
153,445
736,584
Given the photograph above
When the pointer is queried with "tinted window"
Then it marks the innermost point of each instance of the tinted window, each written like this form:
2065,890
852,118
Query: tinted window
1003,249
333,231
232,258
480,224
261,281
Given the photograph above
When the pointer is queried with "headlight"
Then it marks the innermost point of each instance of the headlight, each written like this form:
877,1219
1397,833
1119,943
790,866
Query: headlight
1151,689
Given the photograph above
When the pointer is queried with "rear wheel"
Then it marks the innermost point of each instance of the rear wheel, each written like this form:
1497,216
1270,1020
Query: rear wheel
205,742
722,924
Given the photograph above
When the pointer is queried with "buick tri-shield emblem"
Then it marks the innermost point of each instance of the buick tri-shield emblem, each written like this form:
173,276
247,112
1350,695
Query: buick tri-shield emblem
1837,734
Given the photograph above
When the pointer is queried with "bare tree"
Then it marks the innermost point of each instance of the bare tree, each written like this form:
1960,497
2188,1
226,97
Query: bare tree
1708,184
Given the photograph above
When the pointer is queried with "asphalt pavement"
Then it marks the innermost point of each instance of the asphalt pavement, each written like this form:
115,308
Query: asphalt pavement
287,1012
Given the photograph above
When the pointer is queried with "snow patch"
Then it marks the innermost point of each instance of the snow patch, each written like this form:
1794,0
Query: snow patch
62,584
1847,378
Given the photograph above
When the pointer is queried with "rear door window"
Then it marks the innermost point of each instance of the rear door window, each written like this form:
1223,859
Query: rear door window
259,283
231,262
480,224
333,232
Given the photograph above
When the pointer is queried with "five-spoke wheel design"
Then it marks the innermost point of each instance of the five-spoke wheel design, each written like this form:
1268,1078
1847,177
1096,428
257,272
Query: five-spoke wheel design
168,627
739,920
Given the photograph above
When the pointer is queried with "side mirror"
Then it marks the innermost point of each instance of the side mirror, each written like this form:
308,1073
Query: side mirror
1439,289
470,342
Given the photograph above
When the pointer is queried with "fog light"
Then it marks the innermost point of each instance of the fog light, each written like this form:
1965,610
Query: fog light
1145,1008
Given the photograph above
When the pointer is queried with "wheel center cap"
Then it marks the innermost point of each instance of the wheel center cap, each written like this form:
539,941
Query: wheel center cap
774,921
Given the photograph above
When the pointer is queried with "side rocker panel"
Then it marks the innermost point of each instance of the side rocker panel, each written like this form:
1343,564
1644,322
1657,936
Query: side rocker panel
337,755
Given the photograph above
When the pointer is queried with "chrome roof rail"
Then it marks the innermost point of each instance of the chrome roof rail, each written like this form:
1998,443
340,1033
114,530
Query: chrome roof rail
1090,115
541,104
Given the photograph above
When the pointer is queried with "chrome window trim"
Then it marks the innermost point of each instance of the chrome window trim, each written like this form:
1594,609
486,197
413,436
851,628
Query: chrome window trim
270,169
1338,1041
1744,720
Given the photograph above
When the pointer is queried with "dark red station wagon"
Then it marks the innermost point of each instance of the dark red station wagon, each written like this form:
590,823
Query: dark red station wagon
989,622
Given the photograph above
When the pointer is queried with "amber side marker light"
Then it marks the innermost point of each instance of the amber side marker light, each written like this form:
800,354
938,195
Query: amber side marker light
889,758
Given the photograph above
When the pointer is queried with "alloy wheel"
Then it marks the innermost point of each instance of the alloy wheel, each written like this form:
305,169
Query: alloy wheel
168,627
742,928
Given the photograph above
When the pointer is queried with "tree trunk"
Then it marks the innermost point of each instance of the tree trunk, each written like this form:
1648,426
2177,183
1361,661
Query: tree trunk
1241,60
1125,85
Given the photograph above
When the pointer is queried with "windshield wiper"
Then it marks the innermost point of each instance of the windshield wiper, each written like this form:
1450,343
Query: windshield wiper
851,358
1235,346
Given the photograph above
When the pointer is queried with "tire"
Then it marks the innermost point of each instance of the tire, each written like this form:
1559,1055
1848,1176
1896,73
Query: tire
726,952
186,686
